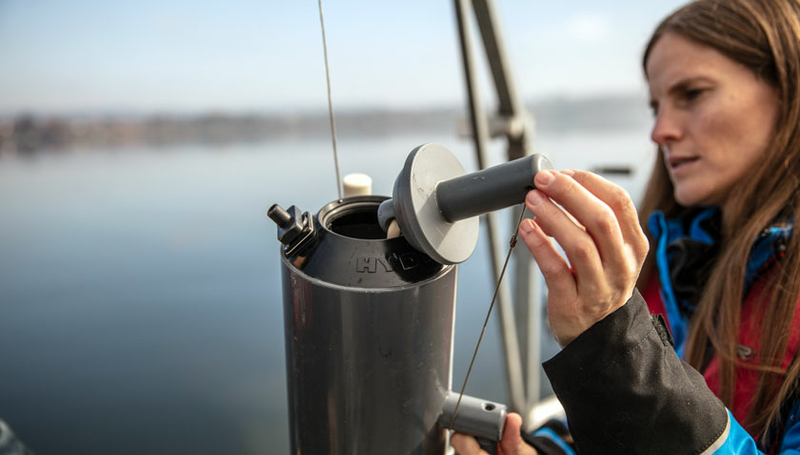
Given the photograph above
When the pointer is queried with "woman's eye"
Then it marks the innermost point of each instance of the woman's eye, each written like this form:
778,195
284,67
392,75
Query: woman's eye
693,94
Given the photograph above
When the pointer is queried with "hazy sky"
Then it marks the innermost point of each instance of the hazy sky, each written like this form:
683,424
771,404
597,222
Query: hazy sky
186,56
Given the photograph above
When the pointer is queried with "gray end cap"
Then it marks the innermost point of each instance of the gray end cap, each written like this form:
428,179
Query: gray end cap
417,212
541,163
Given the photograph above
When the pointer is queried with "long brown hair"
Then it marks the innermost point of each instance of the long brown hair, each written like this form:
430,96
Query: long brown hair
764,36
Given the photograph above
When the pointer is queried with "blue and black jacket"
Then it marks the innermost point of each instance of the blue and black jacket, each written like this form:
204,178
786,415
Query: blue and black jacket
622,383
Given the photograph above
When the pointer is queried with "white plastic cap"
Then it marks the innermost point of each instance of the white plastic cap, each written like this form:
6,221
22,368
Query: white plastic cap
357,185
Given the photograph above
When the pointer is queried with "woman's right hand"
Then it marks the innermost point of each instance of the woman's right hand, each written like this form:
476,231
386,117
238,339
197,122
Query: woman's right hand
510,444
598,229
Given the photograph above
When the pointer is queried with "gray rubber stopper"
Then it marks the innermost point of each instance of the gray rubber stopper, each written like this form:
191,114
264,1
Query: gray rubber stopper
436,203
416,210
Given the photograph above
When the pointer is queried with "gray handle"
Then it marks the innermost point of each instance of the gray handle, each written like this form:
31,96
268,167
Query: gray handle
480,418
488,190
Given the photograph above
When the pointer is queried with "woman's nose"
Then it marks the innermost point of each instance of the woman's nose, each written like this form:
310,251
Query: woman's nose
667,127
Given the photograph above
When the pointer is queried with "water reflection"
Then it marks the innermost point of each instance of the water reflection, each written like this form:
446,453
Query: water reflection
140,290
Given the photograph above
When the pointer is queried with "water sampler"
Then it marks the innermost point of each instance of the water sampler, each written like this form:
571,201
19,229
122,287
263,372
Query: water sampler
369,320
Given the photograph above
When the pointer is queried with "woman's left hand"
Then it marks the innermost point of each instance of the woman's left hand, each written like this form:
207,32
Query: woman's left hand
598,228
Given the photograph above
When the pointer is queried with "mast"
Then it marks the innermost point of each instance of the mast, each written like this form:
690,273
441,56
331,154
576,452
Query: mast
521,344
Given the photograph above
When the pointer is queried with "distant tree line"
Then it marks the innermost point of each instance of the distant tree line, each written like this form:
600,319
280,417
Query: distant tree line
32,133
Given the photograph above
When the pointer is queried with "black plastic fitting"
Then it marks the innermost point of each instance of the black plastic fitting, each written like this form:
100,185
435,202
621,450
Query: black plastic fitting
291,223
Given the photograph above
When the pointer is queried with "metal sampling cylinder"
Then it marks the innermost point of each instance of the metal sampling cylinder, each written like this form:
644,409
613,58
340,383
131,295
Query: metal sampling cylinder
369,330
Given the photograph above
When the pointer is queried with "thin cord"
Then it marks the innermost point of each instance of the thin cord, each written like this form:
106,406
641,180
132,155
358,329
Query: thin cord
511,246
330,104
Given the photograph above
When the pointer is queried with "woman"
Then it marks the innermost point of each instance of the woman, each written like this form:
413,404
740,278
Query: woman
723,268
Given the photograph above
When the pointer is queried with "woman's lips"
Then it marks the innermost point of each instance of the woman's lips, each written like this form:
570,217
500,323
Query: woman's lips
678,162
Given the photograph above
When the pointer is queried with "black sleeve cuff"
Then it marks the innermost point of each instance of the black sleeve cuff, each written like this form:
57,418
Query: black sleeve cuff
552,438
625,390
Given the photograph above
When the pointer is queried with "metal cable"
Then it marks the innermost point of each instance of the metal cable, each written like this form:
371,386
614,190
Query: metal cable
511,246
330,104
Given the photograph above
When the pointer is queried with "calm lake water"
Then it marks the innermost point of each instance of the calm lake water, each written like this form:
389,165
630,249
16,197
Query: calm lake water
140,289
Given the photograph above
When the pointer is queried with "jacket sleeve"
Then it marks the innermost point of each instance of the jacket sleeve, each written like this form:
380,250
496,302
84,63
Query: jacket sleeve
625,390
552,438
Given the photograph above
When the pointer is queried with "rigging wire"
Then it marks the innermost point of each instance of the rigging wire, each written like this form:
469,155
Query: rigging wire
512,243
511,246
330,104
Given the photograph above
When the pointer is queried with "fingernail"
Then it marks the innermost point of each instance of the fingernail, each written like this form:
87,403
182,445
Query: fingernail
534,198
568,172
526,226
543,178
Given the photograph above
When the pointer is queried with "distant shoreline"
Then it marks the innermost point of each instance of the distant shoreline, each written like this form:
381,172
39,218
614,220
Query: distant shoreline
30,133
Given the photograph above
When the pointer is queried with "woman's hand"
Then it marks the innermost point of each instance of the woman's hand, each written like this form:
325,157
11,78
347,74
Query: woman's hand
510,444
598,229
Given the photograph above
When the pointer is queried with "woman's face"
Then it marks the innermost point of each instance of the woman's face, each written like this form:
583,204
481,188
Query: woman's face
713,118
